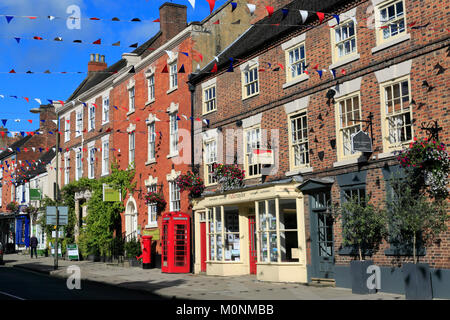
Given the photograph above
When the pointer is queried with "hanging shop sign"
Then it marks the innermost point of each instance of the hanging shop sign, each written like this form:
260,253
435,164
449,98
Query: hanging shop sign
362,142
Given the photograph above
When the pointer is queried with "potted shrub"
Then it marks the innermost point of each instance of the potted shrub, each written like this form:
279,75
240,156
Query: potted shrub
415,219
132,250
363,228
229,176
192,183
158,198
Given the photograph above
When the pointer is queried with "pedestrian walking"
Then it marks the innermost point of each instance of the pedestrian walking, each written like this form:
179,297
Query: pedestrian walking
33,246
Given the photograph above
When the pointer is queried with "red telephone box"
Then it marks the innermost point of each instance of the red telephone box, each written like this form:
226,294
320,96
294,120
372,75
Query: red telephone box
175,242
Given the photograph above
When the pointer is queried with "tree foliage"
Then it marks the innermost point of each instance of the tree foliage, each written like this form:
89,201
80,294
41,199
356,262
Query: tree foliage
363,225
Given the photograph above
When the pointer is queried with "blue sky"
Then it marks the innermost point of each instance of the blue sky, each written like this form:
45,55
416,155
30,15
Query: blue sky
39,56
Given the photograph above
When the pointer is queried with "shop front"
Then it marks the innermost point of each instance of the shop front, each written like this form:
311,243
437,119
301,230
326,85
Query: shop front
258,230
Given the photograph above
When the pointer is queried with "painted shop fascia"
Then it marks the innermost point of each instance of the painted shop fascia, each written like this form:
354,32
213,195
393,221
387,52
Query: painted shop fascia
254,230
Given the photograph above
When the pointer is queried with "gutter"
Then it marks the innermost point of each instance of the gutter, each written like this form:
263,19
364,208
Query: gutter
192,90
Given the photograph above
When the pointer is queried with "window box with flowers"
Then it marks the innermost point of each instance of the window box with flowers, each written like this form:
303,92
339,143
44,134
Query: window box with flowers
191,182
229,176
158,199
429,163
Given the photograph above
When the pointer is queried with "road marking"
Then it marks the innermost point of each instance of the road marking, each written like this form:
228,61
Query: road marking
12,296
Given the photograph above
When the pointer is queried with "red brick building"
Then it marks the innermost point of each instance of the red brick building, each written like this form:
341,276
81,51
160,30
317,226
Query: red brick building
147,102
283,95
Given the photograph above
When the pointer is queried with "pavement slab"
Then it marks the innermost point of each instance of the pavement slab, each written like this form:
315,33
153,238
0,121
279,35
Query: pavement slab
190,286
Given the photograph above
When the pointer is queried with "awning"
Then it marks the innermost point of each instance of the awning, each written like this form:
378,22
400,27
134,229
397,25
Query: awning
315,183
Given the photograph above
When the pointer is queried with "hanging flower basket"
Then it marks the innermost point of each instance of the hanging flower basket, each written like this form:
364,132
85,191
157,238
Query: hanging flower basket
229,176
158,199
429,163
12,206
192,183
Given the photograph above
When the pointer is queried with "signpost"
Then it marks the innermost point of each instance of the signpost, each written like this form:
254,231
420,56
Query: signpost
72,252
361,142
111,195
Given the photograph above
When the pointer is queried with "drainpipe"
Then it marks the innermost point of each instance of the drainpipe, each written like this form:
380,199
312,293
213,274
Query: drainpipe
192,90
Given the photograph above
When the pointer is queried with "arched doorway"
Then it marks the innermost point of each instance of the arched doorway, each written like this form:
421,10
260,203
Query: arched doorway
131,216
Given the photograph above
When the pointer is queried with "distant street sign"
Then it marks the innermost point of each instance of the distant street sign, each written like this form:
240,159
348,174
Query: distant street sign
361,141
35,194
63,216
72,252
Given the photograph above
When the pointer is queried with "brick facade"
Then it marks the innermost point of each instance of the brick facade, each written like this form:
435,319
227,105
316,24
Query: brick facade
424,49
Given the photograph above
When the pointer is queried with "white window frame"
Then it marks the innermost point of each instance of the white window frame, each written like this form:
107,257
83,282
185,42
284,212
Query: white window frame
67,129
173,75
210,153
152,209
151,87
151,145
78,165
91,162
209,99
105,109
397,145
336,43
249,149
105,156
173,131
78,122
301,140
344,127
379,23
174,196
66,168
249,81
131,99
91,117
131,147
291,65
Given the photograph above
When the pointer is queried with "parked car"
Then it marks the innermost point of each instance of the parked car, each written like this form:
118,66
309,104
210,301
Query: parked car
1,253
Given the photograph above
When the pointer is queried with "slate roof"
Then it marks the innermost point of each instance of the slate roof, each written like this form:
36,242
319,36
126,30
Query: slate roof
40,168
263,32
15,145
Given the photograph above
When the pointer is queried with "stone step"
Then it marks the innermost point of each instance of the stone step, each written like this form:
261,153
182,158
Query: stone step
322,282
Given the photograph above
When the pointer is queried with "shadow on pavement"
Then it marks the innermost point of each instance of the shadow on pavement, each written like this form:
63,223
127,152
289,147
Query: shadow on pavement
151,286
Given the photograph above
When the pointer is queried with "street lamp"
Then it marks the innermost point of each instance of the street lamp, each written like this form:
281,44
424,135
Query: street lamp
39,110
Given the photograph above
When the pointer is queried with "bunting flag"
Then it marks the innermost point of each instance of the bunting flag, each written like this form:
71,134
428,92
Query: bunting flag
134,45
321,16
333,72
164,70
336,16
214,69
192,2
185,53
304,15
99,41
269,10
211,3
230,68
217,22
17,39
4,122
9,18
116,44
285,12
237,22
320,73
251,7
181,69
157,20
233,6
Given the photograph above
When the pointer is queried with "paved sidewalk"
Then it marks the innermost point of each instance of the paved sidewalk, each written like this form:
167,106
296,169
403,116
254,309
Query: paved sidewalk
190,286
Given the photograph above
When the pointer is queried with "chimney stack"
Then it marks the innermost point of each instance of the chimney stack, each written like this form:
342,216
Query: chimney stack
173,20
96,63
